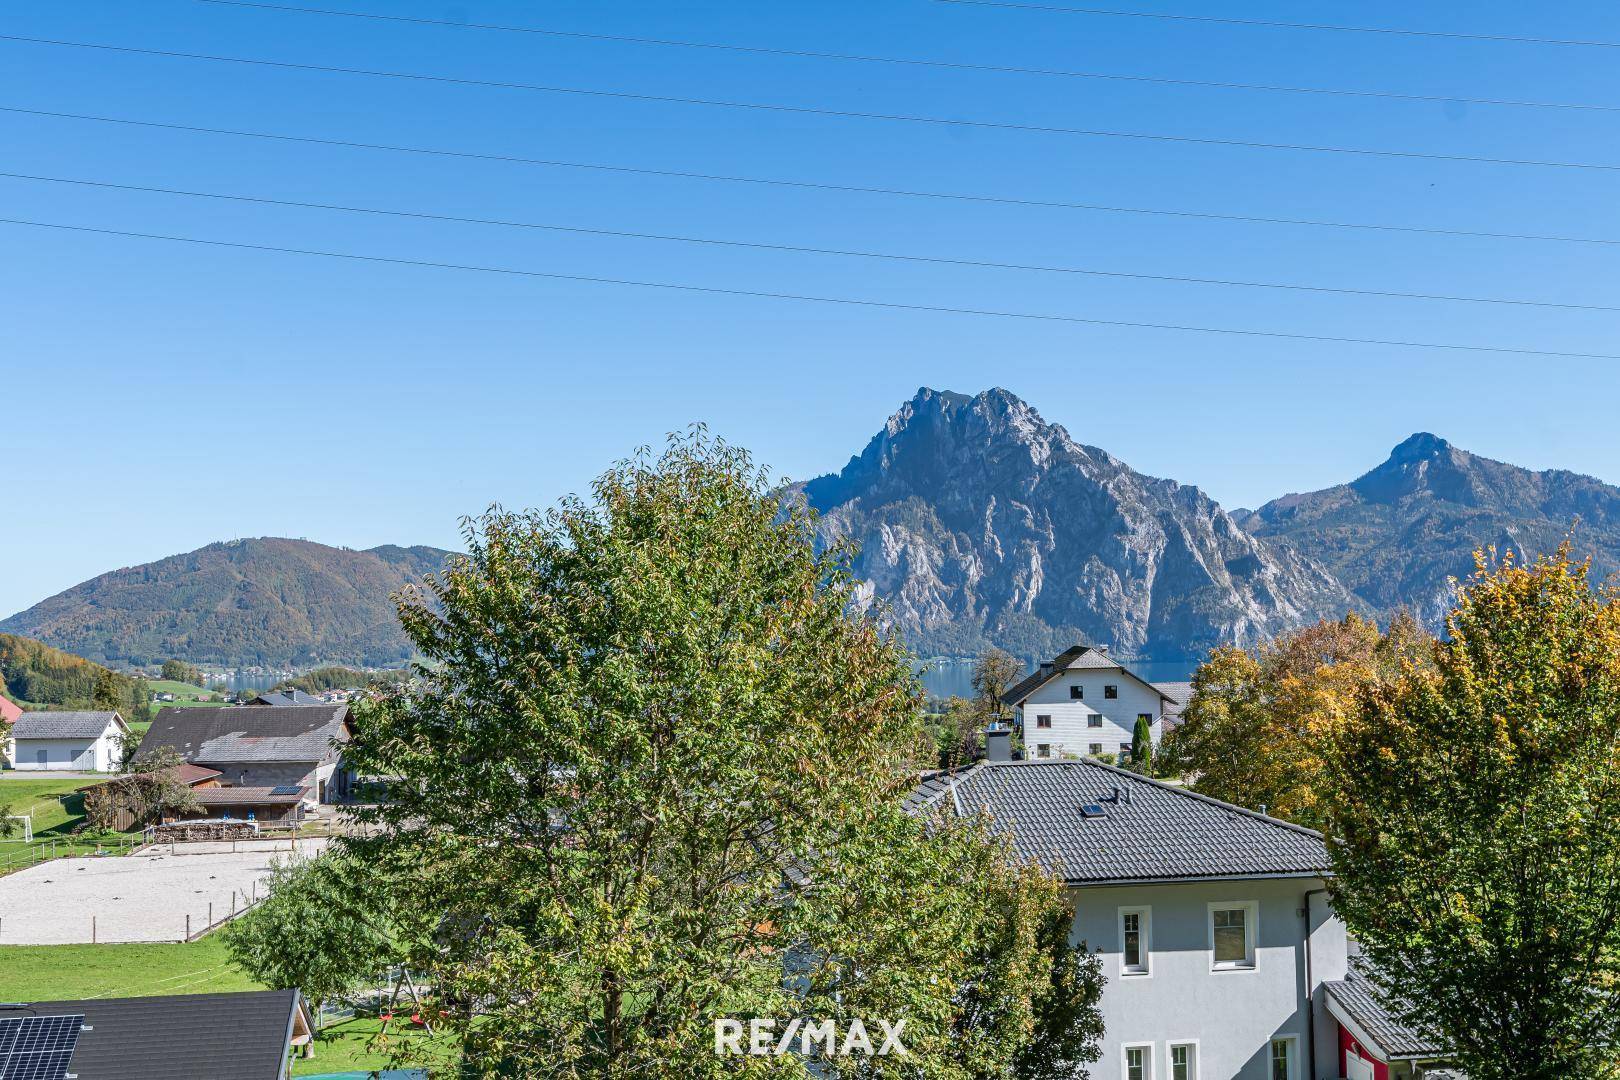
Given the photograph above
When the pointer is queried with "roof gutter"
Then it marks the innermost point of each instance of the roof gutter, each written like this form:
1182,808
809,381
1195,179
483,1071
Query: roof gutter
1075,883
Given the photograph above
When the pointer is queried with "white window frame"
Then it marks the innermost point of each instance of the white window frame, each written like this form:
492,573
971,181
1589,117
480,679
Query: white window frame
1145,924
1293,1054
1251,934
1192,1058
1147,1062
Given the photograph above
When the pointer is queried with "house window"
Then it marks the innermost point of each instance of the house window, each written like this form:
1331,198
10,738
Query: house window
1135,939
1232,934
1282,1058
1183,1061
1139,1063
1043,750
1145,716
1043,721
1077,693
1124,751
1096,749
1094,720
1110,691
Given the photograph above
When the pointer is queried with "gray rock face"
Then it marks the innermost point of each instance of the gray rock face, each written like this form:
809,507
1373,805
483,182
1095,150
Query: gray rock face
981,523
1399,534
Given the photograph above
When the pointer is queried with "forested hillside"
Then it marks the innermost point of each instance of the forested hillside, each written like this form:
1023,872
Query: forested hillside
269,601
36,674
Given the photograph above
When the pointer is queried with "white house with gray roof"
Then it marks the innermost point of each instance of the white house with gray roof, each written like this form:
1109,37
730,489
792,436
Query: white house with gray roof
1212,920
1084,703
67,742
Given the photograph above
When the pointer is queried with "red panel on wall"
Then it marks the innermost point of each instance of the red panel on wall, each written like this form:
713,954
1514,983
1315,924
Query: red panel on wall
1348,1045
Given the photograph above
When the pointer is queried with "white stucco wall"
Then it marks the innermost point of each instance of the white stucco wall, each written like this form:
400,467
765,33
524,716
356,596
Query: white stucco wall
1071,733
62,755
1232,1015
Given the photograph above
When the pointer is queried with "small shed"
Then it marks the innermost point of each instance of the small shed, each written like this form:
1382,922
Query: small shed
68,741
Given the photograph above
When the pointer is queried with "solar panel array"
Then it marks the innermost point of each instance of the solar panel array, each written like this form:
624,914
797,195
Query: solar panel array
291,789
37,1047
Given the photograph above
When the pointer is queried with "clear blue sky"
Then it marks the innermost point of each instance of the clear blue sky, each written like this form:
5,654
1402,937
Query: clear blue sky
155,397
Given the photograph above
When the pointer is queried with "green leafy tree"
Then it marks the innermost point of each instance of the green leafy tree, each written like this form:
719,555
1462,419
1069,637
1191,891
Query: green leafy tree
1142,746
1475,826
148,787
652,773
325,928
180,671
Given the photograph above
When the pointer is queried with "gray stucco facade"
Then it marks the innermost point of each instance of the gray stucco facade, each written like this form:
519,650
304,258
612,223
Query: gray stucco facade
1227,1017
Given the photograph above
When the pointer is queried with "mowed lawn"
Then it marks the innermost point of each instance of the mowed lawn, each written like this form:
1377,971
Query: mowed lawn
66,972
56,805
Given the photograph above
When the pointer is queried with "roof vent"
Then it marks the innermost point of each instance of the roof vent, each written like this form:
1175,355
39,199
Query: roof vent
1092,810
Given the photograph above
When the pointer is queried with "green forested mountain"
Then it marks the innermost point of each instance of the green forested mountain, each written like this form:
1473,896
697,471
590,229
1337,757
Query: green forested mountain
268,601
36,674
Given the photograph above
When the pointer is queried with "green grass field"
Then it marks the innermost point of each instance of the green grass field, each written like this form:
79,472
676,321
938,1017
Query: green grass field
186,695
57,809
64,972
355,1045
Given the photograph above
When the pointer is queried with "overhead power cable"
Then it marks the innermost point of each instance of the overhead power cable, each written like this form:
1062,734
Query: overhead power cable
811,185
998,69
796,249
1279,25
809,298
840,114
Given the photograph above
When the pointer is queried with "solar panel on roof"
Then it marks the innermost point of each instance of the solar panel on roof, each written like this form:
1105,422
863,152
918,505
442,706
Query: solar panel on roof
286,789
38,1047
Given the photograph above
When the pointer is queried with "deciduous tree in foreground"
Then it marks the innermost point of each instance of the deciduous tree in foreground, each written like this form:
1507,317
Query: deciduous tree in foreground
1475,827
652,778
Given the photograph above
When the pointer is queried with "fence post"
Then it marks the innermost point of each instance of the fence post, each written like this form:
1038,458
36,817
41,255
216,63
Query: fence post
210,913
92,929
188,926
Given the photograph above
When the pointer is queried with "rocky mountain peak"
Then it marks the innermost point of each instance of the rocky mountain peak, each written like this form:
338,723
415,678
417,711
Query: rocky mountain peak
979,521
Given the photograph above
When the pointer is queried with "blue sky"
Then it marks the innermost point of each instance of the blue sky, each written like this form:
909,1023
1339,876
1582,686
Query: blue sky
155,397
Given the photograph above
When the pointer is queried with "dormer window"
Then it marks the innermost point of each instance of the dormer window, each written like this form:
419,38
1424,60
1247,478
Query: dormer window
1077,693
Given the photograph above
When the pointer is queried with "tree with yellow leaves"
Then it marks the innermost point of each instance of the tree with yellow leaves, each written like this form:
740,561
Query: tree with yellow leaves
1255,728
1474,827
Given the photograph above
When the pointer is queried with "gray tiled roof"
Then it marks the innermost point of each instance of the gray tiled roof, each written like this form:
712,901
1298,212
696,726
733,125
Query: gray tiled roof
1147,831
1177,692
1357,997
249,796
243,1036
287,697
61,725
243,733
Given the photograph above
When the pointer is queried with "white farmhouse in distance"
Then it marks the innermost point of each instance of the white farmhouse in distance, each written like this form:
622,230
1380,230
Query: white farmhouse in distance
68,742
1084,703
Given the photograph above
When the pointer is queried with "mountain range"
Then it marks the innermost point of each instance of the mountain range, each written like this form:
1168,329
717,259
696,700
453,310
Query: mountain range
978,522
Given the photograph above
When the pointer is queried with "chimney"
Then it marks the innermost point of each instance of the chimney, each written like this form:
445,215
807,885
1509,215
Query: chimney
1101,648
998,744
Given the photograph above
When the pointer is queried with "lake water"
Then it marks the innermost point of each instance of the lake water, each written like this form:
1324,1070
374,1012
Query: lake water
943,680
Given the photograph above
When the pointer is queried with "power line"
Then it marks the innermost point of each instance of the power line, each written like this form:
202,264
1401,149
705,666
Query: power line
1277,25
998,69
811,185
796,249
803,297
801,110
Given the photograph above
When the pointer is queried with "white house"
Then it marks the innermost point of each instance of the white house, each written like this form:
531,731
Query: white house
1212,920
1084,703
68,741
